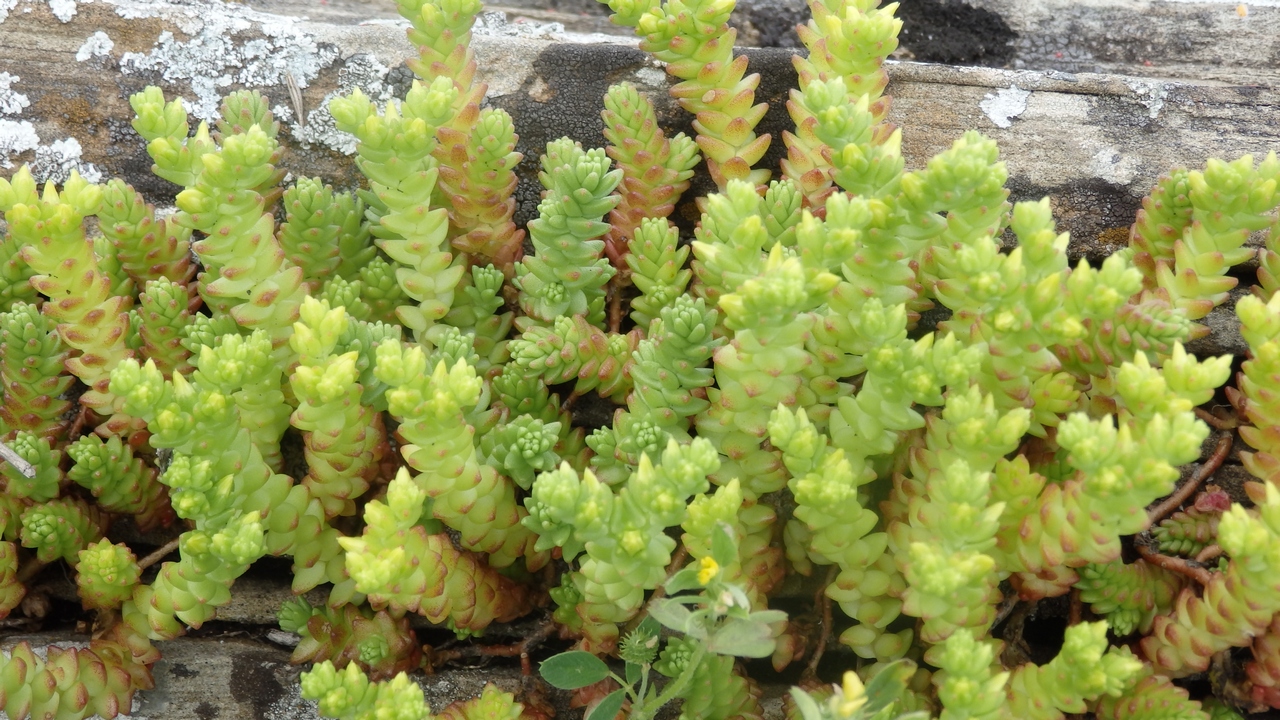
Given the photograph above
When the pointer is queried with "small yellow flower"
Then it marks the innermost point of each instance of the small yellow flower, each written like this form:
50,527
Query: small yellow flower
707,569
850,697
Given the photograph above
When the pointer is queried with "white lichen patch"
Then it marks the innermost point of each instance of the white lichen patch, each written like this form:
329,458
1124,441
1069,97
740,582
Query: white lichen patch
52,162
651,76
1113,166
64,10
1150,94
16,136
1231,3
6,7
231,46
56,161
188,18
1005,105
97,45
496,24
12,102
360,71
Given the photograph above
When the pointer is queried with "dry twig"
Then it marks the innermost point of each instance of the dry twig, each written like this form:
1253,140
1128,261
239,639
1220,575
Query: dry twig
10,456
158,555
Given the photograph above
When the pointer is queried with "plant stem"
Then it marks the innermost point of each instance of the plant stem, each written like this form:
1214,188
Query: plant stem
825,621
644,682
615,304
77,425
673,688
1212,552
1174,564
1006,606
30,570
1179,496
1217,422
158,555
520,649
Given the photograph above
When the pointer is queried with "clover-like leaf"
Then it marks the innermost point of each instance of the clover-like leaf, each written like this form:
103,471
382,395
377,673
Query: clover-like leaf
574,669
676,616
743,637
888,685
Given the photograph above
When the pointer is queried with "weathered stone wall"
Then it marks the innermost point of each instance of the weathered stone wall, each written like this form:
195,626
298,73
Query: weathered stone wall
1094,143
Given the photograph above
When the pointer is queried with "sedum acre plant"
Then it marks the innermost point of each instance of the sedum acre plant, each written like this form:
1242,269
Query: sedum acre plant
379,385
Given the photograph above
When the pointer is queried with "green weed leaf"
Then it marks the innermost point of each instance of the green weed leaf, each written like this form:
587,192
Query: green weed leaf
574,669
742,637
888,685
677,617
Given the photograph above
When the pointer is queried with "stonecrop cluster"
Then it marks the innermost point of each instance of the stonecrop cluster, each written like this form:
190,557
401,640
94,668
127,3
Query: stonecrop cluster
381,385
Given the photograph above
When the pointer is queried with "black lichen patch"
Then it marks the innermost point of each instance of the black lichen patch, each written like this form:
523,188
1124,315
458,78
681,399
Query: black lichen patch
1089,210
770,23
953,32
1120,118
777,78
181,671
590,411
574,7
563,96
254,683
207,711
400,79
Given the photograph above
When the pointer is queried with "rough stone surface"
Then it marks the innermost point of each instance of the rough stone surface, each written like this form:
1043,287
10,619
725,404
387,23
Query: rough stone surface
1093,143
238,677
1224,40
956,33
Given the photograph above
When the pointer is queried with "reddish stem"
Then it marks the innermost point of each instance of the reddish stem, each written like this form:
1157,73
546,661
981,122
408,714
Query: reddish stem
28,571
1179,496
77,426
824,604
520,649
1174,564
1212,552
615,305
1217,422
